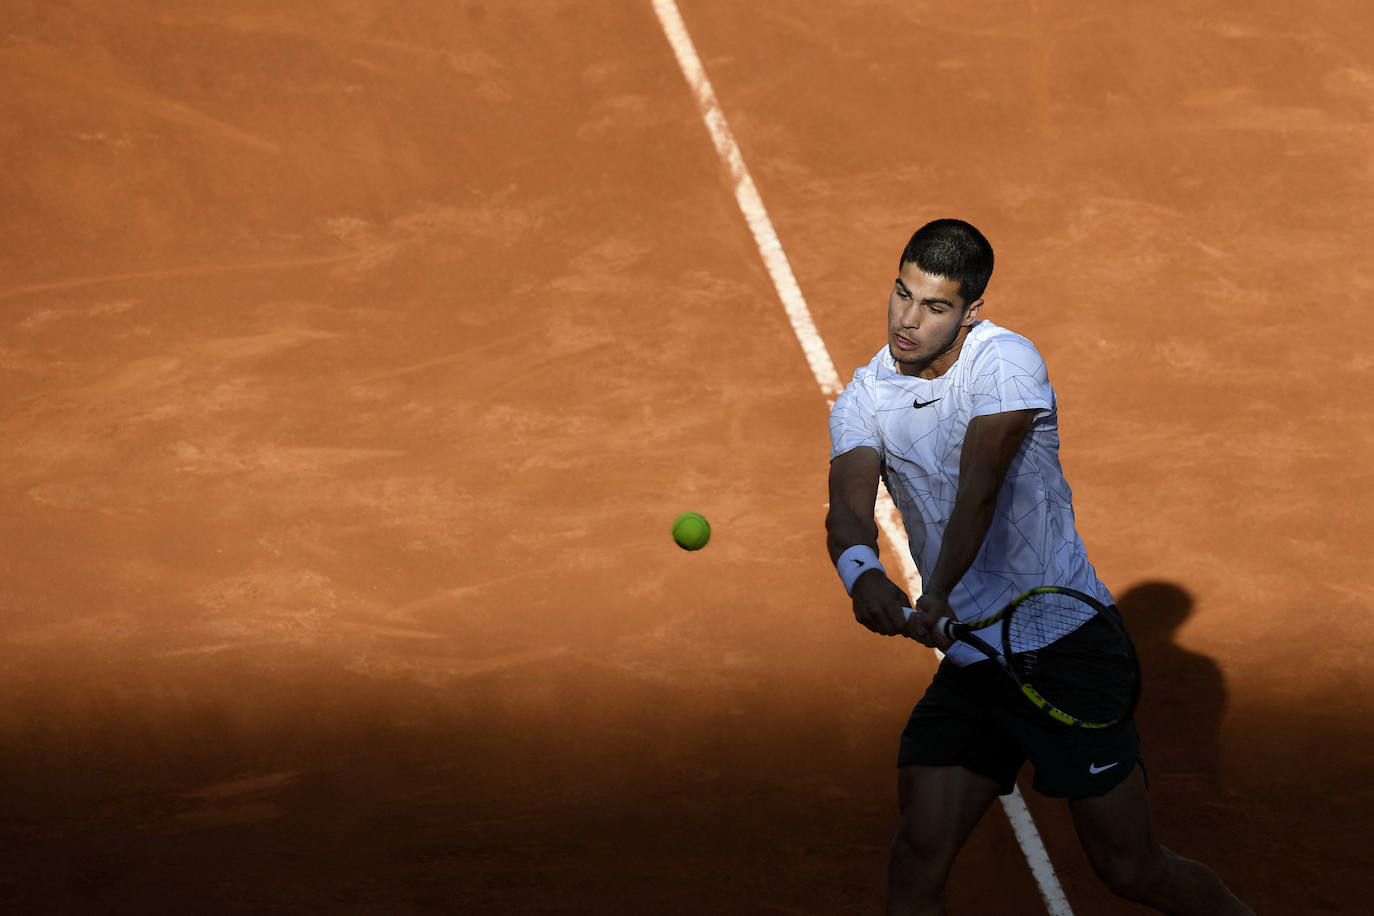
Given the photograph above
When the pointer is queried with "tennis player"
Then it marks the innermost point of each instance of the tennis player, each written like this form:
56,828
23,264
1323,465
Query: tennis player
957,416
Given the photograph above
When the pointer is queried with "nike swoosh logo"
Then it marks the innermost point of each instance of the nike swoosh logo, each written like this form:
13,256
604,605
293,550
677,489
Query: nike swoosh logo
1095,769
918,403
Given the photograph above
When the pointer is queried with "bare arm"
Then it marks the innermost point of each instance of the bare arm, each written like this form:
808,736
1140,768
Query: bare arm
878,602
991,443
853,495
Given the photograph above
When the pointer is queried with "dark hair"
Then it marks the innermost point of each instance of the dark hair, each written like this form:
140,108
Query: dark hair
954,249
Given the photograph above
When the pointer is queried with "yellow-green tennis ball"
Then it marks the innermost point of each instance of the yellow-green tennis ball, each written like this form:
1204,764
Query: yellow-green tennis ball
691,531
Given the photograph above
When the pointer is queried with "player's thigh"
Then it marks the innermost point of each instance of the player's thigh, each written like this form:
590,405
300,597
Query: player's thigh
959,722
940,805
1116,830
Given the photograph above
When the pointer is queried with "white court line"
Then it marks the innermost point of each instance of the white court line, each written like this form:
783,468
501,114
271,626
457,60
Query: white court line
823,368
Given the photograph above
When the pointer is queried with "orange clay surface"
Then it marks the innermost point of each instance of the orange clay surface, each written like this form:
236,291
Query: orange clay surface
356,357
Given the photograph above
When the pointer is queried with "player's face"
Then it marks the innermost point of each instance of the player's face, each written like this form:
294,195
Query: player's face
927,321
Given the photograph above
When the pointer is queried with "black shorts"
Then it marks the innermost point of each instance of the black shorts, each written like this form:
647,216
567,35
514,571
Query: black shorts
977,718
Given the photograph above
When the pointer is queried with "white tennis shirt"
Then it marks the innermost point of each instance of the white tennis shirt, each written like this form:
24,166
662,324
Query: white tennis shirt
917,427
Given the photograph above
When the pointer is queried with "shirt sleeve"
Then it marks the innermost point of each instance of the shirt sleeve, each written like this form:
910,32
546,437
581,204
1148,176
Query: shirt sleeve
1010,374
853,419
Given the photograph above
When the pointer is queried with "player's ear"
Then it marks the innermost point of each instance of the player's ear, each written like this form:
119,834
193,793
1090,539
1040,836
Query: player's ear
971,313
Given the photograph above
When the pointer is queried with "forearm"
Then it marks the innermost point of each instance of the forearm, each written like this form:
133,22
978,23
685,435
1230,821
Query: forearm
990,447
851,535
975,507
844,528
853,495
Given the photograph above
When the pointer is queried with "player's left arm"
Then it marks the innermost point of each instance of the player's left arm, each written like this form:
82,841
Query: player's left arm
991,444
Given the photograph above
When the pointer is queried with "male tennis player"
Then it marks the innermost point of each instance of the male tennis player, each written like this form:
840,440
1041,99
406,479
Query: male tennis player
957,417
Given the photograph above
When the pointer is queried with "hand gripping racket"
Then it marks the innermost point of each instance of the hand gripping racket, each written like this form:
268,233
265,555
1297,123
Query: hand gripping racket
1069,654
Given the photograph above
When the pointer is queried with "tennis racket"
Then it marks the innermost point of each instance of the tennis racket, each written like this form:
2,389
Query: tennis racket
1069,653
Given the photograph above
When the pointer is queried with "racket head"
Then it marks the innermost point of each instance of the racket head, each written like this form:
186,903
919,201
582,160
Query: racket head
1071,656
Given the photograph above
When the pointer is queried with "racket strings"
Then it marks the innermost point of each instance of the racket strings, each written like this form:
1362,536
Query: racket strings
1076,659
1044,618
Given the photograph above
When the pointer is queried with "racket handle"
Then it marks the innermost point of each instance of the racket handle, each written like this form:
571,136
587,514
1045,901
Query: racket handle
945,627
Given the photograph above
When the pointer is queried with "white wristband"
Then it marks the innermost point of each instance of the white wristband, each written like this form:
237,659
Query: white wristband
854,562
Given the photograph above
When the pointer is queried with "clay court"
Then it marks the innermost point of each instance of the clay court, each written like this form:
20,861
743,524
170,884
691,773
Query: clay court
356,358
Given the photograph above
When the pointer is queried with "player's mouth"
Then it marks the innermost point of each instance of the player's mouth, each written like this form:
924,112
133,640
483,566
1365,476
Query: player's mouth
901,343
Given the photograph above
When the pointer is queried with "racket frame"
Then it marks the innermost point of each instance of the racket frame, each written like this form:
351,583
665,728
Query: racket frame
963,631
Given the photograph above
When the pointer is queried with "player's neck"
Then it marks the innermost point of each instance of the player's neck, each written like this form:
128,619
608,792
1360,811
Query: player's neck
939,364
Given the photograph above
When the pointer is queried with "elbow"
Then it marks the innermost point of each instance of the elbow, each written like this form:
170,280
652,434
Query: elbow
980,491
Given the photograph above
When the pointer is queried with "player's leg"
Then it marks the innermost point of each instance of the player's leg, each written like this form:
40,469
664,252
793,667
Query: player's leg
955,759
1117,833
939,808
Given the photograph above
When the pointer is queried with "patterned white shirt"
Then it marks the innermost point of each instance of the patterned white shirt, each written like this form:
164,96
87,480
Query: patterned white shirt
917,427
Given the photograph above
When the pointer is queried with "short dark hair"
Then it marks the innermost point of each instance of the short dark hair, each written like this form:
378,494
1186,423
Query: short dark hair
952,248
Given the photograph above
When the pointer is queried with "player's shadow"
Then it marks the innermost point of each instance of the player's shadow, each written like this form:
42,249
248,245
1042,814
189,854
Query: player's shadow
1184,697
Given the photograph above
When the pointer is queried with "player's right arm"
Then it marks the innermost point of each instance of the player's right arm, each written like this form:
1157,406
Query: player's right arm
878,602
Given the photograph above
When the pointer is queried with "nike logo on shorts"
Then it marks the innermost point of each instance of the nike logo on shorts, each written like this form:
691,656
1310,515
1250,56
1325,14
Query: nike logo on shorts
1094,769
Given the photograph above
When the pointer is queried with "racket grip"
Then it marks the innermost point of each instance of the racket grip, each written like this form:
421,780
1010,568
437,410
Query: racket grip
945,627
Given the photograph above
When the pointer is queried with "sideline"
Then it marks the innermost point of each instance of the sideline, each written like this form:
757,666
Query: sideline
823,368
